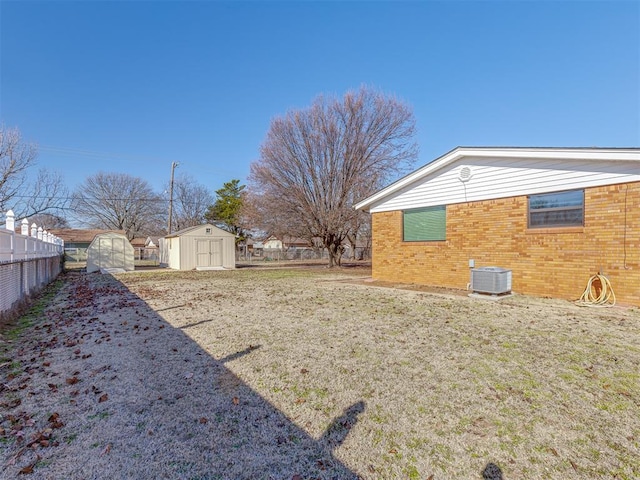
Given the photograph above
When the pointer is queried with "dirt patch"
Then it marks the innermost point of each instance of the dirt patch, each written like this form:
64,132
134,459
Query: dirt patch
273,373
411,287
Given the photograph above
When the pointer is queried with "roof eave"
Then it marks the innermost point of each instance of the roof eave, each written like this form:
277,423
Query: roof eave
408,179
614,154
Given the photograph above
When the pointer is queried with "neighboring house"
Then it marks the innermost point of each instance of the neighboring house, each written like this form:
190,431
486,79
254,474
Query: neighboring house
76,241
144,242
145,248
553,216
272,243
293,242
201,247
284,243
288,248
151,242
300,247
110,250
138,242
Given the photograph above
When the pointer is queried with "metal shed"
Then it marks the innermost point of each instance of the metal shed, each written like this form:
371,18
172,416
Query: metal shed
203,247
109,250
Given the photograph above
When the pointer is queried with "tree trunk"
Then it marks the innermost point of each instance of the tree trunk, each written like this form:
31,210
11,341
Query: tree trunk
352,244
335,250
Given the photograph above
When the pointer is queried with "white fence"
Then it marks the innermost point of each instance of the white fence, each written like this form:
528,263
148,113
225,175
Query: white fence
29,260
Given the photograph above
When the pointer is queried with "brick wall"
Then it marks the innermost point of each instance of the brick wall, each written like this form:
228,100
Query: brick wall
555,262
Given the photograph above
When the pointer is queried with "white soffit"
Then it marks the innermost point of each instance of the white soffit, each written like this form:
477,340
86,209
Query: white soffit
590,154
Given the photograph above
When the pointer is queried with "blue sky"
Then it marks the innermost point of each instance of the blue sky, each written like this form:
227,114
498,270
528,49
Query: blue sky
130,87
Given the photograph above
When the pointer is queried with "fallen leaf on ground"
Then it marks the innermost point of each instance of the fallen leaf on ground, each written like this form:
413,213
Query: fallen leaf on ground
236,400
103,398
27,470
13,403
54,421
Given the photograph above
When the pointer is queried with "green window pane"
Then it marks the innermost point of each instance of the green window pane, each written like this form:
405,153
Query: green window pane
424,224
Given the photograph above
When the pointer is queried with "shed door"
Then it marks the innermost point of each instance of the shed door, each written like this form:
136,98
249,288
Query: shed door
209,253
110,252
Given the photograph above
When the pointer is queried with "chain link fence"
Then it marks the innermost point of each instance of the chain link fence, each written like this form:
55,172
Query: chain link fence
146,256
300,254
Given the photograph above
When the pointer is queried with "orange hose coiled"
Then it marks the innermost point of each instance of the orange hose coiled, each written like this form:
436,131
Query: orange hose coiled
591,298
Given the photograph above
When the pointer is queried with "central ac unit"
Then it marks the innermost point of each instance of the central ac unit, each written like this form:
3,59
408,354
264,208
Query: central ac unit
493,280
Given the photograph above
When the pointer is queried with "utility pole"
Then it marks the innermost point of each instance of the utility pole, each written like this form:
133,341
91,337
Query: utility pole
173,167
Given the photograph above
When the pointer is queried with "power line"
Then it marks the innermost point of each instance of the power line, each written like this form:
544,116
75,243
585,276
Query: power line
115,199
76,152
93,153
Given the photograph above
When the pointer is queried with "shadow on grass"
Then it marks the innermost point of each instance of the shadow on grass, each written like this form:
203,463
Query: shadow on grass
492,472
337,432
239,354
171,410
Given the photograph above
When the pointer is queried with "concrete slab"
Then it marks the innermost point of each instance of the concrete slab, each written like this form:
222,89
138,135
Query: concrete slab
493,298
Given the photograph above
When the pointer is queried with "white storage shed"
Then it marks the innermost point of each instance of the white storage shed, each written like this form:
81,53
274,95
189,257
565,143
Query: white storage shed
203,247
109,250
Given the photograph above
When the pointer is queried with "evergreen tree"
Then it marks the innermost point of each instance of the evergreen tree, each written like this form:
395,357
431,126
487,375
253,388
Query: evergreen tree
226,212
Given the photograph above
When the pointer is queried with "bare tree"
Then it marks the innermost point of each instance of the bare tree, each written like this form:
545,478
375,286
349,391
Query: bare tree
16,157
49,221
46,193
269,216
119,201
316,163
359,236
190,203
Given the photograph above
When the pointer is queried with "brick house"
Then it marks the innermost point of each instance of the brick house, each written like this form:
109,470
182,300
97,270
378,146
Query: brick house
553,216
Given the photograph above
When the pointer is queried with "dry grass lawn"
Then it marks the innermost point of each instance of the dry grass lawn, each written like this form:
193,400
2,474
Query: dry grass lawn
312,373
